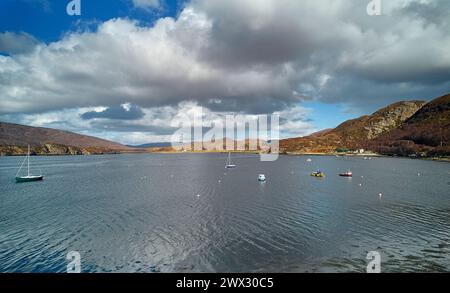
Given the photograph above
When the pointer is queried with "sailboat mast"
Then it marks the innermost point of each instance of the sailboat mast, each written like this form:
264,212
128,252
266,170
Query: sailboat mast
28,160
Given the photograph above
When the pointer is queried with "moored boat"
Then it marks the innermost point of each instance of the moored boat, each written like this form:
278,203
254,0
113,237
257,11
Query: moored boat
318,174
346,174
229,165
28,177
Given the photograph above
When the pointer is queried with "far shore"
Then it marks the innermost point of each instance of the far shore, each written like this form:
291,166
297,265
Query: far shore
167,152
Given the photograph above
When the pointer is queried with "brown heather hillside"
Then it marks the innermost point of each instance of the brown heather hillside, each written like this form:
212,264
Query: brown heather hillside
355,133
426,133
14,139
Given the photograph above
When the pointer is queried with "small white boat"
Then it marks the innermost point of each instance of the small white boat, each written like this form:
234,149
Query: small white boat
308,160
229,165
261,177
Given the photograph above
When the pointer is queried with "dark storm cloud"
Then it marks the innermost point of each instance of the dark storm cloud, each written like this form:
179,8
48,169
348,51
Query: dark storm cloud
249,105
236,42
435,12
124,126
367,96
118,112
16,43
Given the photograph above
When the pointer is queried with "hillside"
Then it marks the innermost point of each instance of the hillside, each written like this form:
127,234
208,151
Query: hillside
219,145
151,145
14,139
427,132
355,133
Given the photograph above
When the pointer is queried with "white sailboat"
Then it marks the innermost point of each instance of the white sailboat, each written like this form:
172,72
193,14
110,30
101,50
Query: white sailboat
229,165
28,177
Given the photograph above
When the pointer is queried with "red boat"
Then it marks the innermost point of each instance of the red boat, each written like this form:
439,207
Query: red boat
346,174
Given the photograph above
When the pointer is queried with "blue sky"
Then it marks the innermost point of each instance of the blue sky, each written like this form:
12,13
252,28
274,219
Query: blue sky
325,116
129,72
48,21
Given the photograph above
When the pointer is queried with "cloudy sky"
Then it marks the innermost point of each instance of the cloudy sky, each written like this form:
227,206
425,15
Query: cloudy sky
131,70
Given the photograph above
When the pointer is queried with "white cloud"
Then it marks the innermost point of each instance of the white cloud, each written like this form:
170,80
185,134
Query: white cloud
123,62
146,4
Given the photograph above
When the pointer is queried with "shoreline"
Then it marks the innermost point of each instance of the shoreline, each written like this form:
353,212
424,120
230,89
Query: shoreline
144,151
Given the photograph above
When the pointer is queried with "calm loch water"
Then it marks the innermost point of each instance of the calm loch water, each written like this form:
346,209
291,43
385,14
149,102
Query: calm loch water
187,213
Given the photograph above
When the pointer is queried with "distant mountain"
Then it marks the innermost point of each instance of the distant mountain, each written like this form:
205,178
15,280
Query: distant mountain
426,133
355,133
151,145
14,139
219,145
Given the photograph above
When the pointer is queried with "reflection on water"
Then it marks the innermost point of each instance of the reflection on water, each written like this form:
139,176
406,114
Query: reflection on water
187,213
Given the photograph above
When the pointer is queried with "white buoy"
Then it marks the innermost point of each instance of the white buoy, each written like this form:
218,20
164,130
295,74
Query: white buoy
380,195
418,174
360,184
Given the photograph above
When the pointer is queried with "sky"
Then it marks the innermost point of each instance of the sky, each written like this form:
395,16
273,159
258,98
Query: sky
132,70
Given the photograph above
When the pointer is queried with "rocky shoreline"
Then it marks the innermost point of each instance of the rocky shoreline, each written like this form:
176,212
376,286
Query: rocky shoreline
54,150
60,150
373,155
